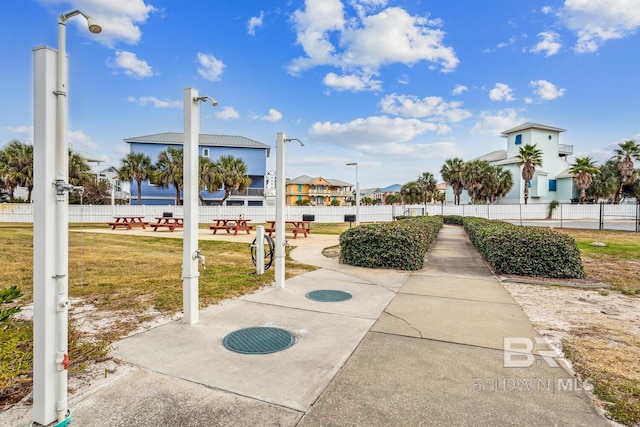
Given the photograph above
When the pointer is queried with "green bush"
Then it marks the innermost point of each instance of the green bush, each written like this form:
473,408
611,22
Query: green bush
453,219
525,251
399,245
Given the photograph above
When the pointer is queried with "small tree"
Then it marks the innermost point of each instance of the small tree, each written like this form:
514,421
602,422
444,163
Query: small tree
530,157
135,167
584,168
625,154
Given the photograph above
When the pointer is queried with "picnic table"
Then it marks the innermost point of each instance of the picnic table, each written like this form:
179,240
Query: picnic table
128,221
240,224
170,222
296,227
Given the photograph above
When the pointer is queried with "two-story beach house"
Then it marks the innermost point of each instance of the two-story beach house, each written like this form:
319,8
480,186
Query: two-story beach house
319,191
552,181
253,153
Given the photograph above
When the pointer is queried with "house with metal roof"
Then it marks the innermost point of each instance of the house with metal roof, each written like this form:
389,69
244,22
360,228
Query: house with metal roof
318,191
552,181
253,153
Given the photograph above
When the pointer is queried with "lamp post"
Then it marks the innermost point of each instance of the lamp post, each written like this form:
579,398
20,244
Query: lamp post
357,193
51,230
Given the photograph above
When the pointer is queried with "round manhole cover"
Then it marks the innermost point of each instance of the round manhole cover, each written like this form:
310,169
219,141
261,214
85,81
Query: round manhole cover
258,340
327,295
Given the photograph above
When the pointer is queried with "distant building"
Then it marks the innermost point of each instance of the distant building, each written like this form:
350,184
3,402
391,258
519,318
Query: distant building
382,193
552,181
253,153
318,191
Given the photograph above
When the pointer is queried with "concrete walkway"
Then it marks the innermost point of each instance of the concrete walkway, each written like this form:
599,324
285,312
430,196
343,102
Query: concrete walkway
408,349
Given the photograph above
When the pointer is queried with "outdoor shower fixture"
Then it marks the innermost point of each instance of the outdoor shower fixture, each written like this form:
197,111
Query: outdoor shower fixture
93,27
294,139
205,99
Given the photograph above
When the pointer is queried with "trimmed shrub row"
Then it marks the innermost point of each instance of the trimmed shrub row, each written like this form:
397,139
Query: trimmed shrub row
400,245
525,251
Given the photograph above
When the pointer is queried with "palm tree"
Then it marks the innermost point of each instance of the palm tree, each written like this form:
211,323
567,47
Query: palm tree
498,183
79,169
169,170
16,167
452,174
411,193
428,183
584,168
234,173
625,154
474,177
135,167
529,158
211,178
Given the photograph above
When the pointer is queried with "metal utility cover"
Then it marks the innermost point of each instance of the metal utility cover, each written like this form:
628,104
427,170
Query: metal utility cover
327,295
258,340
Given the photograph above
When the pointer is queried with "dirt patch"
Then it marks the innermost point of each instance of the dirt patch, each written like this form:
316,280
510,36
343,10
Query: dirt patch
600,334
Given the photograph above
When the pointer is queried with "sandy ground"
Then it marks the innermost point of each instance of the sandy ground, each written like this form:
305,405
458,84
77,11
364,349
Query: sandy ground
559,311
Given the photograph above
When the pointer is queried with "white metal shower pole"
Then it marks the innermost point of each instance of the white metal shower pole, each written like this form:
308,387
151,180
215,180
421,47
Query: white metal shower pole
190,253
280,203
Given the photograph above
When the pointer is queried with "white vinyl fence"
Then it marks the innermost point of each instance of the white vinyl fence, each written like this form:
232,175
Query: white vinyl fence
596,216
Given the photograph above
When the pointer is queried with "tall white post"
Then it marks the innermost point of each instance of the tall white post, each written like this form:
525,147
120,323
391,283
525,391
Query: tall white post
190,255
45,225
357,198
280,204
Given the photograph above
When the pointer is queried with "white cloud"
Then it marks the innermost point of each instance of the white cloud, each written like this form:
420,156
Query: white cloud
351,82
20,130
495,124
459,89
227,113
362,44
501,92
273,116
210,67
371,130
547,91
131,65
597,21
77,138
549,45
156,102
546,10
119,19
430,107
255,22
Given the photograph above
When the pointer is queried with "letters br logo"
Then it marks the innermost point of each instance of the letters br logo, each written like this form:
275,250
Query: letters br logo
520,352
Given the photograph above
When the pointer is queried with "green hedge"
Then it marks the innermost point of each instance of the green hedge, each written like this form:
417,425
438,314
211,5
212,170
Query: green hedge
399,245
525,251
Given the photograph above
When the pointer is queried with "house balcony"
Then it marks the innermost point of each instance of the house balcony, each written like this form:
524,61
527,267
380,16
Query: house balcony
565,150
249,192
334,192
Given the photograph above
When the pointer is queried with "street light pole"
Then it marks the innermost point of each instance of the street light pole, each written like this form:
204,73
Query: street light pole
50,355
357,193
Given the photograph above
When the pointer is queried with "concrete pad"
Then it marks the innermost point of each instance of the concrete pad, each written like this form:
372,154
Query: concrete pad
292,378
489,290
399,381
145,398
367,300
477,323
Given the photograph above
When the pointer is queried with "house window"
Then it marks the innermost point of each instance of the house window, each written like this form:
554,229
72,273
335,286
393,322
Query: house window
205,152
300,198
518,139
552,185
299,187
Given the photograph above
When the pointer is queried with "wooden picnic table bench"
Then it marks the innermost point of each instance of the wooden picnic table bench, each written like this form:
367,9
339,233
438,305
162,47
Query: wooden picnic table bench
170,222
128,221
295,227
236,225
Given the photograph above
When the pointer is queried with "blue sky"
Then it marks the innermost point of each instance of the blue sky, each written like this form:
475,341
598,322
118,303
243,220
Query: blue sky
397,86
